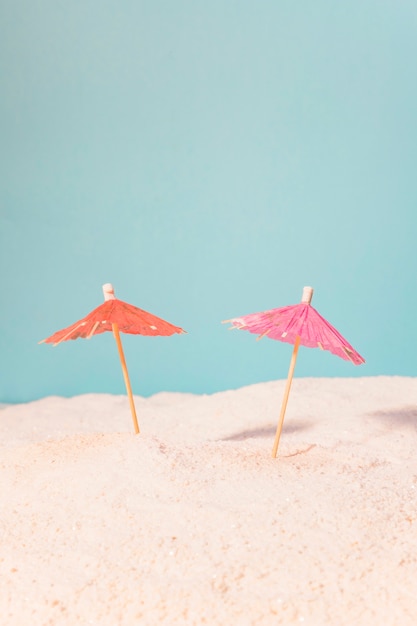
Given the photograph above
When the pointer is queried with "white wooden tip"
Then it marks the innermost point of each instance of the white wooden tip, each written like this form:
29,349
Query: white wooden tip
307,295
108,291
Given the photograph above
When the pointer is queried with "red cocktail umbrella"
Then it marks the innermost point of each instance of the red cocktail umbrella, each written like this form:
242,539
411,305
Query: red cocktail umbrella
116,315
299,324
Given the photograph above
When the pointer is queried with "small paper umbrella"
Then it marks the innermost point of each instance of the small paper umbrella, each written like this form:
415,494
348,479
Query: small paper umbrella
116,316
298,324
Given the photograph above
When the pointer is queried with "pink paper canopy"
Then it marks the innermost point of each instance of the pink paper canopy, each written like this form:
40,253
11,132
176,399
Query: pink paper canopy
299,320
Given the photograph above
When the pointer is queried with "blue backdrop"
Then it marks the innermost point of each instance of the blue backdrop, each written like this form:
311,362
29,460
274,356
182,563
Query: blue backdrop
209,159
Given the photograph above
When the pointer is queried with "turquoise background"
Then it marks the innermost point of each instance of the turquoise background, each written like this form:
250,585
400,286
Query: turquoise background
208,158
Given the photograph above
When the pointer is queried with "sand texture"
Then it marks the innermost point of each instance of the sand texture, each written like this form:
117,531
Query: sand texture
192,522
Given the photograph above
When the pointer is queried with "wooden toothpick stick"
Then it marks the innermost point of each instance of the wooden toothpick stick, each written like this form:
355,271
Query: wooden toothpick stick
126,376
286,394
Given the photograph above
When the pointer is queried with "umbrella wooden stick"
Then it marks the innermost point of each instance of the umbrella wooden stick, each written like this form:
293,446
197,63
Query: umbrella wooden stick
126,376
286,394
108,292
306,297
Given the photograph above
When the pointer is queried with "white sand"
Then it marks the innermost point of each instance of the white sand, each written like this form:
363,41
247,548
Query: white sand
192,521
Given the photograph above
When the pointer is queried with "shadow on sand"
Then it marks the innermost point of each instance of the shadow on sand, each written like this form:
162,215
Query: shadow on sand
405,416
268,431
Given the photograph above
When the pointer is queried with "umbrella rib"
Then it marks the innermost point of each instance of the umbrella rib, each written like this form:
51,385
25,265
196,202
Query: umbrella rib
69,334
264,334
93,330
348,353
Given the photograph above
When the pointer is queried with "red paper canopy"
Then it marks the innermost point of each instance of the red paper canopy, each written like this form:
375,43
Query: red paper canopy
129,319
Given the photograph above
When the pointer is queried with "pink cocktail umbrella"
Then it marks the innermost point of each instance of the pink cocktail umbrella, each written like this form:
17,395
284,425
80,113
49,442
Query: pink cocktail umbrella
116,316
298,324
